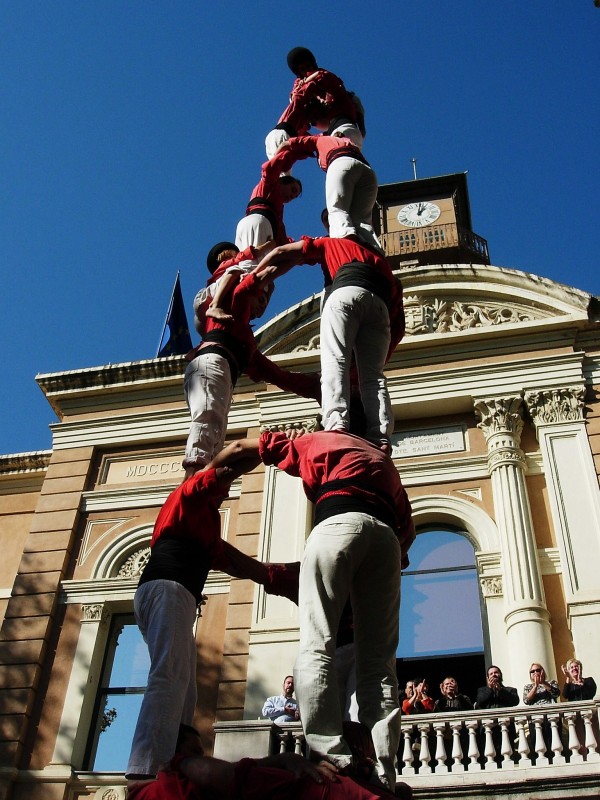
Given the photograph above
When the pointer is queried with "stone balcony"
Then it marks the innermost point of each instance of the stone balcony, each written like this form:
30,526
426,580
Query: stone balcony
524,752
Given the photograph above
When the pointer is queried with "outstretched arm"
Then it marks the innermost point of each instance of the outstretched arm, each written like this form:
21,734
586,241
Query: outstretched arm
280,260
240,456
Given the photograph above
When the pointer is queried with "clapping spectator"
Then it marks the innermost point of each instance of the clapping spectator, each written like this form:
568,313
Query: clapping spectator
541,691
495,694
576,686
417,699
451,700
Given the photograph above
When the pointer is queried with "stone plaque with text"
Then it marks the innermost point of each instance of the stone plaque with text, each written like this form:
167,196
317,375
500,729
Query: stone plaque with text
140,470
429,441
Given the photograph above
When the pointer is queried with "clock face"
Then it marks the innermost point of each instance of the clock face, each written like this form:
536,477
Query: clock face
417,215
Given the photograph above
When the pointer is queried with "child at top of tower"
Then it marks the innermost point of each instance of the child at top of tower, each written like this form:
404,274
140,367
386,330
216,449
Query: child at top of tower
320,99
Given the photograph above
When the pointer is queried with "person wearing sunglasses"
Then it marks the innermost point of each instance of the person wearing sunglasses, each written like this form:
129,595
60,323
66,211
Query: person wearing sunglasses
540,691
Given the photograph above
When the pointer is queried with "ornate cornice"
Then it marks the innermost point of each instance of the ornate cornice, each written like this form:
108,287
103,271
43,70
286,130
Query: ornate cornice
25,462
440,315
304,425
565,404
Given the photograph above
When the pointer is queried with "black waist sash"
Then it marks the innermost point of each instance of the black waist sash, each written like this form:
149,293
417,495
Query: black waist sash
351,151
365,276
336,122
184,561
226,345
285,126
264,207
382,507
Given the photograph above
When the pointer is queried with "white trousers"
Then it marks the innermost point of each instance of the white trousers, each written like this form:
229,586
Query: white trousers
350,195
252,231
208,392
165,612
355,320
350,554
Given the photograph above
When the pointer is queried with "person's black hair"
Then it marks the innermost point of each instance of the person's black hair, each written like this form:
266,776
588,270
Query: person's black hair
287,179
212,259
300,55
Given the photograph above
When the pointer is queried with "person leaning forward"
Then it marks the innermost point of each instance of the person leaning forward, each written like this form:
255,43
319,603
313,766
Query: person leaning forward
363,528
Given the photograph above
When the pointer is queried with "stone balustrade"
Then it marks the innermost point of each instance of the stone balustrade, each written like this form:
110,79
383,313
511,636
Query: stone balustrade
557,743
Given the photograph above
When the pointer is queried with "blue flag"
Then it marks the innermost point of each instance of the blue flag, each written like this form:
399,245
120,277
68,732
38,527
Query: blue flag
179,340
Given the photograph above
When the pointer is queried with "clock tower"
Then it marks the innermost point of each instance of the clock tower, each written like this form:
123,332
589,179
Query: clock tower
428,220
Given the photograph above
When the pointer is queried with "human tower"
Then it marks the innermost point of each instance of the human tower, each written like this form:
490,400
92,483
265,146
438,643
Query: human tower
363,524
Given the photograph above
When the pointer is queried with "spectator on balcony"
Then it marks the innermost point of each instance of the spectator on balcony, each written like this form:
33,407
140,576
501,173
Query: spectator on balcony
282,707
495,694
541,691
417,700
576,686
451,700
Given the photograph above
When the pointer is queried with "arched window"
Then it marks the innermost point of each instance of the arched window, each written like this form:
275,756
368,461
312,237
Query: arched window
441,630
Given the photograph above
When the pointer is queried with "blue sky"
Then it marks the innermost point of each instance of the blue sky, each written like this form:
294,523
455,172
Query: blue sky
132,135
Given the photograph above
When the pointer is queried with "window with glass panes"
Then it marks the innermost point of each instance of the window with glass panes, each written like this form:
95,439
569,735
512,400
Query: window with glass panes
122,685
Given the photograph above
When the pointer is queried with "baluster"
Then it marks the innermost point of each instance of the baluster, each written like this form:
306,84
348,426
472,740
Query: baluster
506,748
540,745
282,742
489,751
556,744
574,743
407,754
590,739
298,741
473,753
425,768
523,745
440,748
457,753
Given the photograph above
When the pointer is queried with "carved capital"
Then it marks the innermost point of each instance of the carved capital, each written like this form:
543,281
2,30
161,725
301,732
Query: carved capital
500,415
492,586
304,425
133,566
556,405
92,612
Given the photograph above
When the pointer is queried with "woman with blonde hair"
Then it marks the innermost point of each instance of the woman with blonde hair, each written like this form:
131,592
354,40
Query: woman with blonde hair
576,686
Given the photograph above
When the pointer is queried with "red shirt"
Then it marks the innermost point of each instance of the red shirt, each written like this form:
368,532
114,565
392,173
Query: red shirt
334,253
322,146
192,512
324,456
324,89
269,189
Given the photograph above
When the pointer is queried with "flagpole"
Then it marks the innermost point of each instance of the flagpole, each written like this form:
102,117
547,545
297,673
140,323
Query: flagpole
162,336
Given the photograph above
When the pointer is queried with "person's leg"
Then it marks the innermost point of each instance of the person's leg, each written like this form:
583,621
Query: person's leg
371,346
375,597
333,553
340,178
340,321
208,392
165,613
364,196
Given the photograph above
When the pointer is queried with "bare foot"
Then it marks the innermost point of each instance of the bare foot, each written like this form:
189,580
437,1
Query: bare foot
218,313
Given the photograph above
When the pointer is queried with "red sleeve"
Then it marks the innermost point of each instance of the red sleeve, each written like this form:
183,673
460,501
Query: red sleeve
313,254
304,384
205,483
277,449
249,286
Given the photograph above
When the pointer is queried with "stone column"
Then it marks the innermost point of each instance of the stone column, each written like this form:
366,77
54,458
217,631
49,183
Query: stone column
526,616
574,499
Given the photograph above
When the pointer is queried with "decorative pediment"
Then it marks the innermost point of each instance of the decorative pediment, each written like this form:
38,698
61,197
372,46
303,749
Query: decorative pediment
444,299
